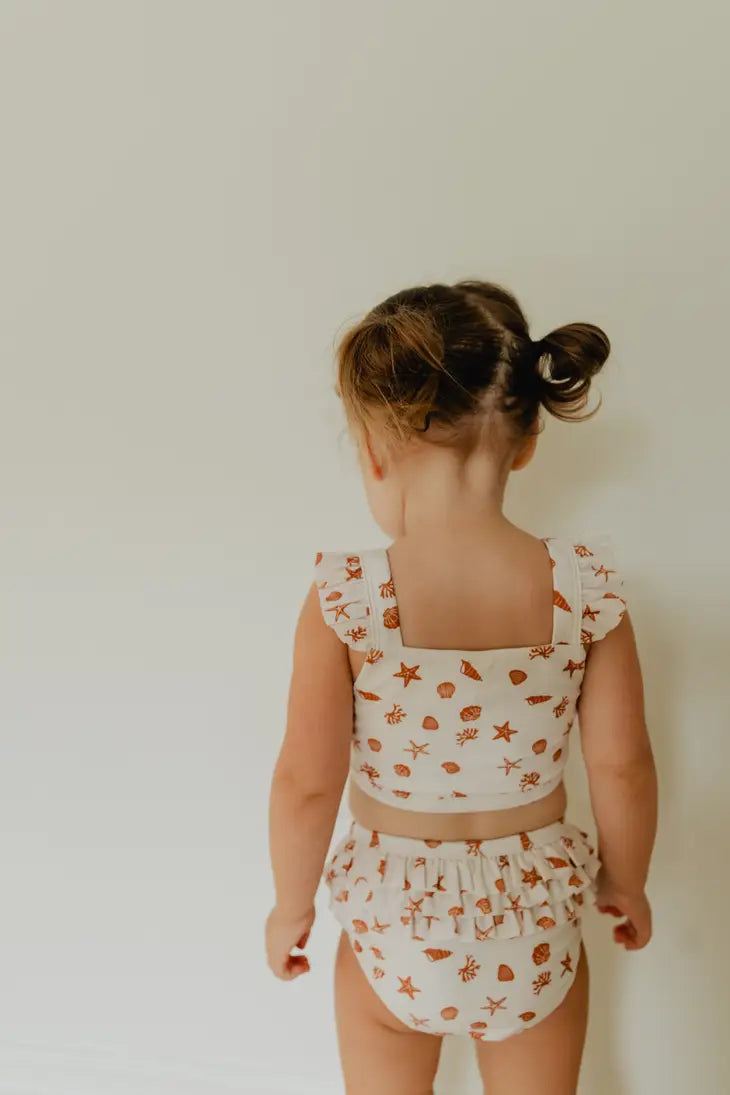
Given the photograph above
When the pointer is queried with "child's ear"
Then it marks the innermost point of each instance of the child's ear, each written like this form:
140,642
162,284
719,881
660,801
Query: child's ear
525,452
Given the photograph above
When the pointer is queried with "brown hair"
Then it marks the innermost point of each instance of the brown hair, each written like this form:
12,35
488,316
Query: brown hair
452,355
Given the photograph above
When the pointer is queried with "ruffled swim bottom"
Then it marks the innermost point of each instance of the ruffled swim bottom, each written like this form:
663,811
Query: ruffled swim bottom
478,937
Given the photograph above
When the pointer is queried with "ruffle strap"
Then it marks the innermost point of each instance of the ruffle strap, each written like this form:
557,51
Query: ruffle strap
343,597
602,594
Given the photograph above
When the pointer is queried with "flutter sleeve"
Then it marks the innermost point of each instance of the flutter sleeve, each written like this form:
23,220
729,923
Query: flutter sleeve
343,597
602,587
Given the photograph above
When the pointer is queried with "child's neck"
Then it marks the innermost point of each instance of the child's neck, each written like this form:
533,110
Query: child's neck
445,493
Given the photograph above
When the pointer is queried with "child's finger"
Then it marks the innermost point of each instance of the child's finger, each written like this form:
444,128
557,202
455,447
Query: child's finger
296,965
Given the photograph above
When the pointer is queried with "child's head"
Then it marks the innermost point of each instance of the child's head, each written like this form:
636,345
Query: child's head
454,366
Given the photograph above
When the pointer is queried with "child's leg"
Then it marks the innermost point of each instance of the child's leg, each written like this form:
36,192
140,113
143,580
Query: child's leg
380,1056
545,1059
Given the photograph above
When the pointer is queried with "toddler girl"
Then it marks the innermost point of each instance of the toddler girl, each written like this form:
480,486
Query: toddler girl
443,676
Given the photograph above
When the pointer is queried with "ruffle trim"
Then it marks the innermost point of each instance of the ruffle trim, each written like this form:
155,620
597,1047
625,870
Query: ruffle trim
343,597
473,897
603,602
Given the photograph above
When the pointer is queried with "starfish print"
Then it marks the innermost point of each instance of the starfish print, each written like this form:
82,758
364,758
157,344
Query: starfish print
408,987
378,927
353,572
418,1022
514,903
473,847
483,933
440,884
590,613
493,1006
531,877
602,571
567,964
428,920
414,906
341,610
504,732
417,750
408,673
572,666
509,765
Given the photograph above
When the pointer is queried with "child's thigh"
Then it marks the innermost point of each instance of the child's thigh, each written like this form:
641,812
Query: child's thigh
379,1054
544,1059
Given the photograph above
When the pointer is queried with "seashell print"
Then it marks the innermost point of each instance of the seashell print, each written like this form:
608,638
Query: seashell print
525,841
374,840
469,671
368,695
505,973
540,746
541,981
574,880
469,714
541,954
451,767
333,596
578,898
458,794
375,745
378,973
360,926
435,954
479,1025
560,602
527,1016
356,946
402,794
484,905
557,755
546,922
556,862
318,559
517,676
449,1013
446,689
500,886
582,550
401,769
432,843
344,896
391,619
532,700
378,953
430,723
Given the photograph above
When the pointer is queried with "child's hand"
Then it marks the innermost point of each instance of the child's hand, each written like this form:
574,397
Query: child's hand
635,932
282,935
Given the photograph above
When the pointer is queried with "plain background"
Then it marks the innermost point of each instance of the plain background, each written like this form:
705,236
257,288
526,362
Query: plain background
195,198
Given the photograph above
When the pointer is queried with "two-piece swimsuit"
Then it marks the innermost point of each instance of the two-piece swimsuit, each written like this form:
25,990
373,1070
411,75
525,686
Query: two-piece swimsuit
477,936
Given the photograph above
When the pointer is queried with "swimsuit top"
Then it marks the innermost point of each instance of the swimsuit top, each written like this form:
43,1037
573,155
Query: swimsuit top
463,730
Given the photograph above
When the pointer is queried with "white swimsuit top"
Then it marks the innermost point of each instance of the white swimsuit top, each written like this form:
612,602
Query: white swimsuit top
463,730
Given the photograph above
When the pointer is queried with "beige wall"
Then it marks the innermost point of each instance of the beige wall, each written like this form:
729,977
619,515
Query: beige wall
194,197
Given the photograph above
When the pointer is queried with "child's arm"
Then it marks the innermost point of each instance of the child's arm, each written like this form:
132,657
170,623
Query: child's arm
308,782
622,779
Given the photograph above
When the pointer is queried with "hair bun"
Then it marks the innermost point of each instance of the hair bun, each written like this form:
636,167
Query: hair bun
567,360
